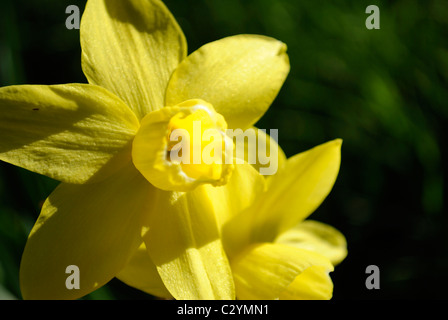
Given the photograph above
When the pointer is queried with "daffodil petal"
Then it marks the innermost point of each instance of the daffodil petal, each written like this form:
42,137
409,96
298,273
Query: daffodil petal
318,237
313,284
131,48
96,227
291,196
141,273
297,190
239,75
259,149
244,187
184,243
74,133
269,271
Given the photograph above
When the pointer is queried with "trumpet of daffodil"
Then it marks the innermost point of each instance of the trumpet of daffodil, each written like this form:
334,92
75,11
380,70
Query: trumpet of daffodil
107,142
274,251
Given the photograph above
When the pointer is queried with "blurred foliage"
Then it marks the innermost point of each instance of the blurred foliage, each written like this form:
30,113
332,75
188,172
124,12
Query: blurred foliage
384,92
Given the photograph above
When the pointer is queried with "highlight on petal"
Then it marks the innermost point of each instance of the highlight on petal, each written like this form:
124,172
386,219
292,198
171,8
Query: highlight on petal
74,133
269,271
131,48
96,227
318,237
184,243
291,196
240,75
141,273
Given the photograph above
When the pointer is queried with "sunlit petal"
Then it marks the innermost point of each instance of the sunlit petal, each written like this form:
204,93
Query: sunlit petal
141,273
292,195
74,133
318,237
243,188
269,271
239,75
313,284
184,243
96,227
131,48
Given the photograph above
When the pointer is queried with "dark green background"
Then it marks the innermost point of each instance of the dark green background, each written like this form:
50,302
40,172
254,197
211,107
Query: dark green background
384,92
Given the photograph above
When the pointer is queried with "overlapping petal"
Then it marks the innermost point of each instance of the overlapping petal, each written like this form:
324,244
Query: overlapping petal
318,237
291,195
259,149
313,284
74,133
141,273
298,189
96,227
131,48
239,75
272,271
240,193
184,243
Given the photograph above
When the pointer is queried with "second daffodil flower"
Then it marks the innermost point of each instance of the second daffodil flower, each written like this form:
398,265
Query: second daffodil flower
106,141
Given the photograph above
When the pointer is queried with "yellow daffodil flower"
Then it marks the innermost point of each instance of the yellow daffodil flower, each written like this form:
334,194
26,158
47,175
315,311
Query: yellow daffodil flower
273,251
106,141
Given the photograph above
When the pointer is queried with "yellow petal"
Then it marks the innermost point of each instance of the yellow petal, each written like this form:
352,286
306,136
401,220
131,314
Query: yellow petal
131,48
258,148
270,271
291,196
299,189
244,187
318,237
141,273
96,227
239,75
184,243
313,284
73,133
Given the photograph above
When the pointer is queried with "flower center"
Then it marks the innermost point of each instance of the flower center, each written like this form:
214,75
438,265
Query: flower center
202,148
177,148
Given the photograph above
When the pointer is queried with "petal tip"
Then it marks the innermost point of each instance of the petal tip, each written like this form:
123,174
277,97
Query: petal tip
338,141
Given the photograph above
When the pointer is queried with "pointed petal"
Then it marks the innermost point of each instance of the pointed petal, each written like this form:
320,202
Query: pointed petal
318,237
73,133
269,271
131,48
299,189
291,196
96,227
184,242
239,75
141,273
